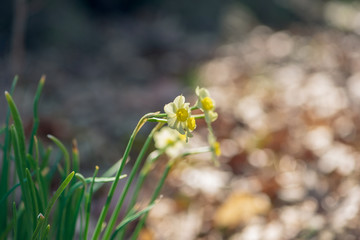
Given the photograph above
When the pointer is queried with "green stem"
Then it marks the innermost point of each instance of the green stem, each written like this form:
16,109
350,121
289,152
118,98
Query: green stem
196,151
212,139
160,115
109,173
154,119
198,116
105,208
164,120
98,180
88,203
161,183
142,176
129,219
153,198
134,170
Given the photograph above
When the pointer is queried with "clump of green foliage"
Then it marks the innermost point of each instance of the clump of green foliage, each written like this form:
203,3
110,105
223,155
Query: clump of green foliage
30,210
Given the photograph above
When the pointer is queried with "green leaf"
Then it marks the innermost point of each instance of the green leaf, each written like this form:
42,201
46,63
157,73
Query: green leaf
4,179
36,114
63,150
131,218
55,197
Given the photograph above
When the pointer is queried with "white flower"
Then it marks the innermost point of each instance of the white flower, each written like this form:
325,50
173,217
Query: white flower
179,116
206,104
169,140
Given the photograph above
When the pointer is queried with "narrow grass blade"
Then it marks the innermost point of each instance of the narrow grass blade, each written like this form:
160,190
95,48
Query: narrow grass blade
14,221
3,130
73,205
45,156
64,151
153,198
36,113
118,174
12,226
129,219
46,234
40,222
18,142
33,194
4,180
99,180
4,234
19,128
43,189
108,173
88,203
56,196
75,156
21,176
134,171
152,157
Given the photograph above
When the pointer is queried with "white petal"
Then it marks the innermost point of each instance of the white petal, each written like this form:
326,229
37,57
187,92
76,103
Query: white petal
203,93
213,116
210,116
172,121
169,108
197,90
186,106
179,101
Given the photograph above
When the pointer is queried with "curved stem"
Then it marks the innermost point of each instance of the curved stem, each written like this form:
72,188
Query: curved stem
134,170
143,174
118,174
161,183
153,198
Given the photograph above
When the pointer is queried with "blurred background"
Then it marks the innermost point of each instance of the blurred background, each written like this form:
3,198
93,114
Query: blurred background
285,75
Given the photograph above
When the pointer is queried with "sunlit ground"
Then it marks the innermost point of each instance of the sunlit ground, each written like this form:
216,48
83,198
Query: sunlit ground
288,125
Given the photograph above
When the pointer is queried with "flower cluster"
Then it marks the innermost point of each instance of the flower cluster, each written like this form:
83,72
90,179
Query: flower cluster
179,117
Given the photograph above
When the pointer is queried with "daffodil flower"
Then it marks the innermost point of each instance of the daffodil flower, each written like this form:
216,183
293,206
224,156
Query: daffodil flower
179,116
206,104
169,140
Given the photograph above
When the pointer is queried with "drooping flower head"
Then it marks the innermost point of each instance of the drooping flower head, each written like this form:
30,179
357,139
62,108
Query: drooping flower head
179,116
206,104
